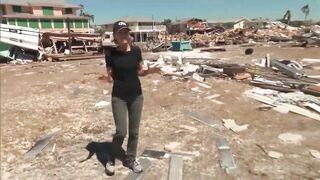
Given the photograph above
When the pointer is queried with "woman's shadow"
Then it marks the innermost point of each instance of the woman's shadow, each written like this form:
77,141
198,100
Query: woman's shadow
105,151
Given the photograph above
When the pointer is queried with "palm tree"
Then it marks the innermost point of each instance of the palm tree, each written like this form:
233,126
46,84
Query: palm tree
81,9
84,13
305,9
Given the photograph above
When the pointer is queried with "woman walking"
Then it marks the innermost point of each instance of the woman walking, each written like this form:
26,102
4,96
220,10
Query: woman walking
124,65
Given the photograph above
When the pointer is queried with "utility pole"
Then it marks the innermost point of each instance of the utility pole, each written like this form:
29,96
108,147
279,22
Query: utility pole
153,34
166,41
69,37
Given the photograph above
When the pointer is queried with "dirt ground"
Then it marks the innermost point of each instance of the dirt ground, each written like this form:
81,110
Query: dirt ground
39,97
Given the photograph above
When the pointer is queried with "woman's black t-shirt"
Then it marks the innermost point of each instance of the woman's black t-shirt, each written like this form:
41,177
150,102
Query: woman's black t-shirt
124,66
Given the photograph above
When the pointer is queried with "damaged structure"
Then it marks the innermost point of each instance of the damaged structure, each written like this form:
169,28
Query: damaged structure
48,16
142,30
35,30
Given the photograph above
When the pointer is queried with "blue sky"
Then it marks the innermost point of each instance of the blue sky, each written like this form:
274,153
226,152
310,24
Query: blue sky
111,10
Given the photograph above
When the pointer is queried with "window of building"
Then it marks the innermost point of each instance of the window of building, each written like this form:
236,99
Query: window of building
47,11
58,23
2,10
33,23
78,23
68,11
85,24
71,23
16,9
12,21
22,22
46,23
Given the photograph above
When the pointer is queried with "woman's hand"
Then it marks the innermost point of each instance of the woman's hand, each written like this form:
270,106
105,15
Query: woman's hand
143,70
109,79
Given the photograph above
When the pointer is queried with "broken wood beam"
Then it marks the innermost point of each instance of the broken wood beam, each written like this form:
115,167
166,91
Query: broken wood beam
287,70
176,168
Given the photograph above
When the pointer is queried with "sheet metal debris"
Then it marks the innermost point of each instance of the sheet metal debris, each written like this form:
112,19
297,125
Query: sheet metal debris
153,154
156,154
205,120
41,144
226,158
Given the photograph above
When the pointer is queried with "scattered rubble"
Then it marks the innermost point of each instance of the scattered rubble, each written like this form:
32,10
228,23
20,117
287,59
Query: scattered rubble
172,146
248,51
190,128
231,124
290,138
208,121
102,104
282,85
315,153
275,155
41,144
286,101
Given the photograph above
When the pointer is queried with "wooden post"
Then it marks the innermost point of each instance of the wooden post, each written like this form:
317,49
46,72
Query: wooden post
69,37
166,41
85,47
54,46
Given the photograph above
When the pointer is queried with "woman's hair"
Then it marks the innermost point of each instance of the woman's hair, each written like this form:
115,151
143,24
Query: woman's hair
116,42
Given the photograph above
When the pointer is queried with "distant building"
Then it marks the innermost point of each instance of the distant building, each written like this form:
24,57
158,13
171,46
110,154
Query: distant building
259,23
46,15
241,23
141,29
189,26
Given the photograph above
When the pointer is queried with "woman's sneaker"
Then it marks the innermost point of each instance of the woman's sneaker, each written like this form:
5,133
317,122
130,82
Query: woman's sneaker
133,164
110,168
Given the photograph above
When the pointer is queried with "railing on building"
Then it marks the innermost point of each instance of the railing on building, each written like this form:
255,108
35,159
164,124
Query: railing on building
149,28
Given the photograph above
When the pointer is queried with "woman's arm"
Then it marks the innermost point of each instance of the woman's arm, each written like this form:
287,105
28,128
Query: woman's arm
143,71
109,74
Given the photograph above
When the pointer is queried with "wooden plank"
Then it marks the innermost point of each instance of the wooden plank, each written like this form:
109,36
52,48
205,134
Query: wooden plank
84,45
290,107
41,144
301,111
313,106
176,168
146,164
